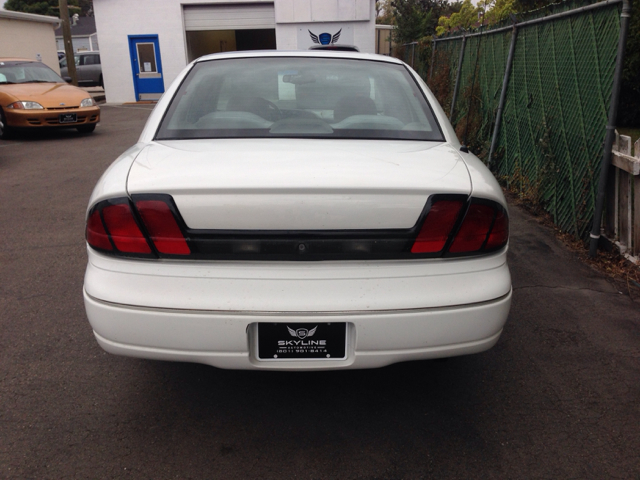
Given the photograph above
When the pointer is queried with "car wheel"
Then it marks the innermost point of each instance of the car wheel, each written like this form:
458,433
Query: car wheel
86,128
6,132
100,82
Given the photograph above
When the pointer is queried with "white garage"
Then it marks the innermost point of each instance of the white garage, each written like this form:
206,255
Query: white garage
145,48
31,36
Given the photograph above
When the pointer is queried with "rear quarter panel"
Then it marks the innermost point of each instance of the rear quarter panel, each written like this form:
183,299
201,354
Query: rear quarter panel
113,182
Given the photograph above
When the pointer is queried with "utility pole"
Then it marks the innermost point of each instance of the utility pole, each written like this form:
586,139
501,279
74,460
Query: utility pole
68,45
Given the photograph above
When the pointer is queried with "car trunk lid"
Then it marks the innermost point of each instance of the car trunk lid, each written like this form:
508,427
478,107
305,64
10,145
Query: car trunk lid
299,184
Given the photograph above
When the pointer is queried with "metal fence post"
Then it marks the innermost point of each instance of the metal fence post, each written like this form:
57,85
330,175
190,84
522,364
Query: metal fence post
503,95
433,59
610,135
413,53
458,74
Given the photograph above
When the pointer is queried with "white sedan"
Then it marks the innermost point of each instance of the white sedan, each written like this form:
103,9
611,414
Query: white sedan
297,211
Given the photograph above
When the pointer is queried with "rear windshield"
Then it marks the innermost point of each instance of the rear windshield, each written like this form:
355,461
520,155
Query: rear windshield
299,97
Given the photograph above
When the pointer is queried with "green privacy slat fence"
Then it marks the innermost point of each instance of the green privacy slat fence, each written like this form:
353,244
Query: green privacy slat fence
554,119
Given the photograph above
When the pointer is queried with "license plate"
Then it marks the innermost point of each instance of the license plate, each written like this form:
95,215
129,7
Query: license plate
302,341
68,118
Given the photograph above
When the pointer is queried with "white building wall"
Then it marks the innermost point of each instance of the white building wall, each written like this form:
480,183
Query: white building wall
305,11
363,36
116,19
359,14
27,39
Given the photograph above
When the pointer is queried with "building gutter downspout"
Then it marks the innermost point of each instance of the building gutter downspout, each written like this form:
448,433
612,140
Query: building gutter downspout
611,126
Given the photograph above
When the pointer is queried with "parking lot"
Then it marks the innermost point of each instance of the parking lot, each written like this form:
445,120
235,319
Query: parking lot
558,397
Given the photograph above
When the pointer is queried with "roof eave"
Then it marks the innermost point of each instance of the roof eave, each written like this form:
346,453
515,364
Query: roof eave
29,17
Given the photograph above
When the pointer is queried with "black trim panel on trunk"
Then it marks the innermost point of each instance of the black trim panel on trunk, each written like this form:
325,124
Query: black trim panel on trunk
302,245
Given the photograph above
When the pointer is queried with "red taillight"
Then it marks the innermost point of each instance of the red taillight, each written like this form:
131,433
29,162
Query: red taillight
474,229
96,235
437,226
162,227
124,230
136,230
499,233
485,227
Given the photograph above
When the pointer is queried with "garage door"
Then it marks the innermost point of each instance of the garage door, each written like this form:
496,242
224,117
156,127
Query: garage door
229,17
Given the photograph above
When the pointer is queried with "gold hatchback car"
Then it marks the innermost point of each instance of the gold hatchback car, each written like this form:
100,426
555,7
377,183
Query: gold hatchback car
32,96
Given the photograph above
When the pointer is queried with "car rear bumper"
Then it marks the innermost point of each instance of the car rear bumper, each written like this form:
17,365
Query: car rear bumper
51,118
394,311
227,340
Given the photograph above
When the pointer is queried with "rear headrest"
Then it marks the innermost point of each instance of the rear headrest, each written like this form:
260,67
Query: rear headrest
10,76
354,105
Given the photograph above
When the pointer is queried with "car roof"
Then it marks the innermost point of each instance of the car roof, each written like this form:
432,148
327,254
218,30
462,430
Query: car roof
300,53
16,59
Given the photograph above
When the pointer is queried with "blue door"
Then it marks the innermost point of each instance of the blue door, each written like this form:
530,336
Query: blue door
146,66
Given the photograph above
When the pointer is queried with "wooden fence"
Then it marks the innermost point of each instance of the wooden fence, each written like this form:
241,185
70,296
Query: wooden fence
622,216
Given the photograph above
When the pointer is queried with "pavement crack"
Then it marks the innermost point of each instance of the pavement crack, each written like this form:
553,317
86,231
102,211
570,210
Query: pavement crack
33,296
560,287
42,247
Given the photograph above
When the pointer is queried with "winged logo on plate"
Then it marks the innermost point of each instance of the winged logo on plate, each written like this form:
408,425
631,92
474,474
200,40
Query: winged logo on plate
302,333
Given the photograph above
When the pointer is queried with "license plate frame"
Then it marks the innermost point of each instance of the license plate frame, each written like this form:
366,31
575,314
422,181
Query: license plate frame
68,118
288,341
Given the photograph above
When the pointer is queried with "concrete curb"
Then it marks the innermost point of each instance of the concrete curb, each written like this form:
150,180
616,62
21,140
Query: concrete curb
97,93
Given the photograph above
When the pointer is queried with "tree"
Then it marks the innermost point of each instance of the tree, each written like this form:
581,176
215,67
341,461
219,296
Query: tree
465,18
416,19
498,10
86,8
412,21
49,7
384,13
529,5
40,7
488,11
629,114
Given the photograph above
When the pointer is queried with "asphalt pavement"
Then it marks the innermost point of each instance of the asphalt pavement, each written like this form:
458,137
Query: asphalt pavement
558,397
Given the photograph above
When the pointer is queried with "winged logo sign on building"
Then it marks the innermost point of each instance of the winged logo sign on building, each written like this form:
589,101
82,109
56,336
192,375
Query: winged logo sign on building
324,34
325,38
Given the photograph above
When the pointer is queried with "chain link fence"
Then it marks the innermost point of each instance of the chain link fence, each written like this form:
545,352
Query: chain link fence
550,142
